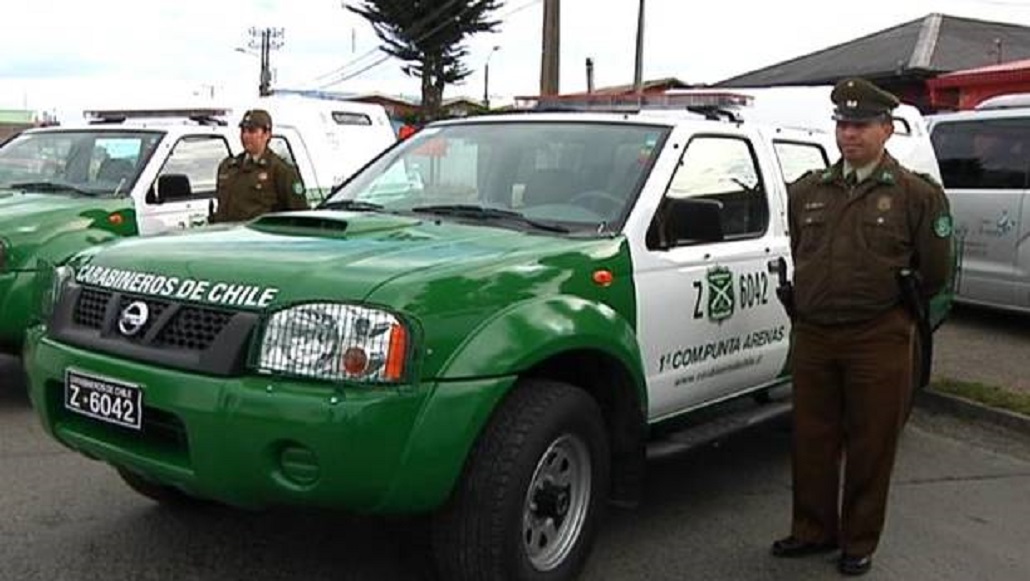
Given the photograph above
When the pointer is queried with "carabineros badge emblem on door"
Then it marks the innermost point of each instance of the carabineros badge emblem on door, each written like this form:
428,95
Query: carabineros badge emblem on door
721,300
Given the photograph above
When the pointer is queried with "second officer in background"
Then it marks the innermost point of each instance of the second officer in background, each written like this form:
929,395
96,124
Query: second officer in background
256,181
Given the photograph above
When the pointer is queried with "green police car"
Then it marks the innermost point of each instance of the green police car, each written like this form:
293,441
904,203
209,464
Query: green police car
485,326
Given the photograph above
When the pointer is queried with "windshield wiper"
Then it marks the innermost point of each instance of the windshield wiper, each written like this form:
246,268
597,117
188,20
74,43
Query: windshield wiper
473,211
49,187
355,205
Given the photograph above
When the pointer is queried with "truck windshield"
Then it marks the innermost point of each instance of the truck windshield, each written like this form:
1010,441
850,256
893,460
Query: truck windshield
576,175
76,162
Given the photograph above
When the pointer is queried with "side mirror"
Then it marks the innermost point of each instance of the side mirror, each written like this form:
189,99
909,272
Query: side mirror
689,221
170,188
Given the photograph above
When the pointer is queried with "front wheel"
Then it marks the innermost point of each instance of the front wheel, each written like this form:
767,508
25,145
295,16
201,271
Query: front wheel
533,490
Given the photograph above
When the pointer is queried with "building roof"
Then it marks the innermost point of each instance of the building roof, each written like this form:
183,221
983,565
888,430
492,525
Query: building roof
601,93
924,47
16,116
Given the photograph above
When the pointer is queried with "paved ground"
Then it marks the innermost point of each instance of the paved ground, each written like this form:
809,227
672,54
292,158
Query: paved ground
986,346
959,512
959,505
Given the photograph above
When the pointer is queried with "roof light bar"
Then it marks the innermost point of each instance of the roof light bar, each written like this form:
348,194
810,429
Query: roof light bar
122,114
633,102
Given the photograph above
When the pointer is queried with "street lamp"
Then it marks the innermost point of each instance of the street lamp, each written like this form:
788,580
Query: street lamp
486,78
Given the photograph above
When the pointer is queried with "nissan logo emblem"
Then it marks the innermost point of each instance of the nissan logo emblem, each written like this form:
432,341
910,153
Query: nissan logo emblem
133,318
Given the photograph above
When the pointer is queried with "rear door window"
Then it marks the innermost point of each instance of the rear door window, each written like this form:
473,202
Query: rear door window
986,154
797,158
197,157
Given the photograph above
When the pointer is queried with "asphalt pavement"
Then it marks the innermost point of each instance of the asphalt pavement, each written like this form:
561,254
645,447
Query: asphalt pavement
958,511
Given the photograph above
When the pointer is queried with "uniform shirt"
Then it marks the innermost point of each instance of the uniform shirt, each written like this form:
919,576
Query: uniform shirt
849,242
861,173
248,187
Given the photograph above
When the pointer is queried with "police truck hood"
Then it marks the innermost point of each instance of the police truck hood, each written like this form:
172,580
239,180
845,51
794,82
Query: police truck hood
28,220
310,256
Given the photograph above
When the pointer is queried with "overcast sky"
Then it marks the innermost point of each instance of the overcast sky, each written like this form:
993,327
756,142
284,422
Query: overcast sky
71,54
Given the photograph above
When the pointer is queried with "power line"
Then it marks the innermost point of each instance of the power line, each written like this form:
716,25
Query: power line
416,26
386,57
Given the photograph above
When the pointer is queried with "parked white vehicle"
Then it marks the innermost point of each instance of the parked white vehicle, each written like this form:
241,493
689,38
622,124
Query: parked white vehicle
810,108
336,138
984,159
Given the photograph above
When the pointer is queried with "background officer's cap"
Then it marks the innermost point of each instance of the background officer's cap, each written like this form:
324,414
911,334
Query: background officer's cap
859,100
257,118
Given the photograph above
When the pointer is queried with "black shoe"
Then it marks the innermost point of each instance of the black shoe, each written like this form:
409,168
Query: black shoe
852,565
795,547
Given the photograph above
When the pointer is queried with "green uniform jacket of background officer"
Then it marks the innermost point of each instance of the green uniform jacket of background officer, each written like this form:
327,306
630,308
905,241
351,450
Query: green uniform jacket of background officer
248,188
848,246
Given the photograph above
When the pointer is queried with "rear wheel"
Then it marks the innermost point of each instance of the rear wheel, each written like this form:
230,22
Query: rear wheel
533,490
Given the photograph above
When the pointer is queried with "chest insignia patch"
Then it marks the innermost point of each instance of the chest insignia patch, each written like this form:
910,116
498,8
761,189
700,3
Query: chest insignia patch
814,205
263,176
883,203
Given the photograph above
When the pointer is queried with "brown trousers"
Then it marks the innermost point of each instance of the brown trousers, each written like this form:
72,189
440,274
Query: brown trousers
852,389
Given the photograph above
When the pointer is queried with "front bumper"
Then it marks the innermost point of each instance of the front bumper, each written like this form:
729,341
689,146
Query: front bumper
257,441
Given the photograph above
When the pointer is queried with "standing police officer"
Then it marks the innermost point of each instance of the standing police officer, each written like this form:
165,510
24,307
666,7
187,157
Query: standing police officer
257,181
854,227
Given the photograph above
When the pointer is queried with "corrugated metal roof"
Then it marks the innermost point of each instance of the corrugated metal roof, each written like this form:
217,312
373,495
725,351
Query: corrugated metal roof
933,44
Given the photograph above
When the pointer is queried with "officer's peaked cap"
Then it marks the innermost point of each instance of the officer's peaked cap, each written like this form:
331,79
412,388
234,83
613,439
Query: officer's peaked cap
256,118
859,100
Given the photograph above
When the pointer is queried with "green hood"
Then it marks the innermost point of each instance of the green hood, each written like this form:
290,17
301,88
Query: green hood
450,278
29,222
342,256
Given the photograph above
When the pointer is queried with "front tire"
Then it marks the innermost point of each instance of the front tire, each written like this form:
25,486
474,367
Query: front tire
533,490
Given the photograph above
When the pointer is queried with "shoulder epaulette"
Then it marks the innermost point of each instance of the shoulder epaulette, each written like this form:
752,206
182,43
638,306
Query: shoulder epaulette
927,178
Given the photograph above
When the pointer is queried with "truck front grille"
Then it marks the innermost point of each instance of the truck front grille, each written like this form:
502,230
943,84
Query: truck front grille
91,308
185,336
193,328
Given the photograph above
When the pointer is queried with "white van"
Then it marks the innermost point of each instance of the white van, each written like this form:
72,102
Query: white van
337,137
811,108
984,158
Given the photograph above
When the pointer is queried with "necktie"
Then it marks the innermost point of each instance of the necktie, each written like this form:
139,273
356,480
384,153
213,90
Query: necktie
851,179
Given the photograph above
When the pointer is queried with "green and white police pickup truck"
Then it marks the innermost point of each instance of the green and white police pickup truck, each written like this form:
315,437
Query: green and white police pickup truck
140,172
486,326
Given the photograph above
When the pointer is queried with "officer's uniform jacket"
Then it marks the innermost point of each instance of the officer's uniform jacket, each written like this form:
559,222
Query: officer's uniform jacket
248,188
849,242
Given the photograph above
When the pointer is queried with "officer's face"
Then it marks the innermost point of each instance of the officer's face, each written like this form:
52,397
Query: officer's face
254,139
862,142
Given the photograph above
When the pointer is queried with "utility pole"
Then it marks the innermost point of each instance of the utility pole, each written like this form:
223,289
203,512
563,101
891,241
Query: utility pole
486,78
550,51
590,75
638,69
265,40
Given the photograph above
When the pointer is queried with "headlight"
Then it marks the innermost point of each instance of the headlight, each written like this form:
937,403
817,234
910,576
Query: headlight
52,287
335,342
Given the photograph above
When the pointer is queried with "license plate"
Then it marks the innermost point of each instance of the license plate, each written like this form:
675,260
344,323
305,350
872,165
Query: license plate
108,400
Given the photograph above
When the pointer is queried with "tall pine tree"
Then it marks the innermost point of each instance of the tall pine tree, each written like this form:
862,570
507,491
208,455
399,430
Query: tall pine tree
429,35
